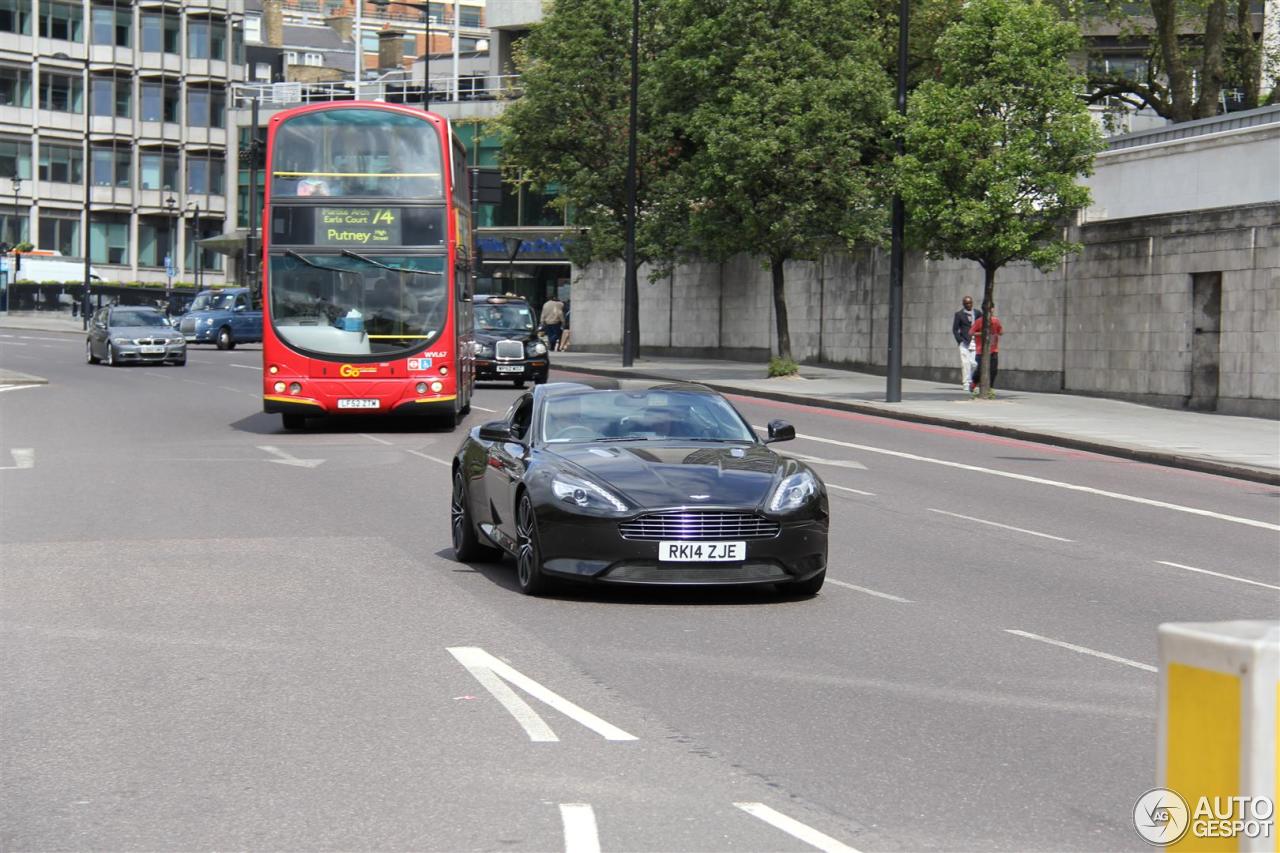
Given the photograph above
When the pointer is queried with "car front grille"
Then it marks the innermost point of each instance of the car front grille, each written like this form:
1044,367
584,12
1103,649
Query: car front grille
698,526
509,350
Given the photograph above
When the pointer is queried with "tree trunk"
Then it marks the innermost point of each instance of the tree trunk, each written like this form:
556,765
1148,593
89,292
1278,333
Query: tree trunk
1181,106
1250,56
1212,72
988,299
780,309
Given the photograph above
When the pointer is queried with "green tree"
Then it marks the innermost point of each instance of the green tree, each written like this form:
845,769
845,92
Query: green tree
773,112
1195,50
995,145
569,129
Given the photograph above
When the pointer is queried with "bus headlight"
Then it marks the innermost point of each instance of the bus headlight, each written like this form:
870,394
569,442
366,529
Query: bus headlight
278,387
422,388
437,387
295,388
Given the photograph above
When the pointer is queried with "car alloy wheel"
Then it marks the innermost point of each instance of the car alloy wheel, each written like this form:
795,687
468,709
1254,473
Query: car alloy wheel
89,357
528,555
111,355
225,341
466,545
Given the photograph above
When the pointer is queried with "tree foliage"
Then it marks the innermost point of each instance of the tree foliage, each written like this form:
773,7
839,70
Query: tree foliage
773,110
995,145
1195,50
569,129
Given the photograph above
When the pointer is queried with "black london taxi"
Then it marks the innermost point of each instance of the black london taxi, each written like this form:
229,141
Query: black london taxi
508,348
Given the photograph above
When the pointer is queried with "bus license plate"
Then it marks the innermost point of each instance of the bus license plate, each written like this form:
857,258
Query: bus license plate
702,552
511,368
358,404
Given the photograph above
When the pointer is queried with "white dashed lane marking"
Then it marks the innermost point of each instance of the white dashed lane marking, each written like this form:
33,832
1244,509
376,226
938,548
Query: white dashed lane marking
1081,649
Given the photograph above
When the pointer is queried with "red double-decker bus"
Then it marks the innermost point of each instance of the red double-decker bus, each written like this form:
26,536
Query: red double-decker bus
367,243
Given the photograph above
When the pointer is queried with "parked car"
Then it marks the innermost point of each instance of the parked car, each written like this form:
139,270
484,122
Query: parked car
637,483
133,334
506,340
225,317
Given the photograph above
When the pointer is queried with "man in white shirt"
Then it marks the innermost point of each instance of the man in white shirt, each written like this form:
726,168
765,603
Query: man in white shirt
553,321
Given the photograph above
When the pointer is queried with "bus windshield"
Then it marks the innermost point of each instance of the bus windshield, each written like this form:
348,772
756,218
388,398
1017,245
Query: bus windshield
356,153
353,304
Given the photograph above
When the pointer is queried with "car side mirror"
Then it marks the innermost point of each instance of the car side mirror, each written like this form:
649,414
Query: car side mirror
496,431
780,430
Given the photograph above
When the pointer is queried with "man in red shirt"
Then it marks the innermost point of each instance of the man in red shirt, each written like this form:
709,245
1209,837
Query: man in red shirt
979,333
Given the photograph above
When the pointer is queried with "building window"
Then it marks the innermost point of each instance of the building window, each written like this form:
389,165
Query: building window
14,224
466,44
15,86
160,32
62,164
470,16
253,29
62,21
436,12
158,170
262,71
290,57
205,107
15,158
205,174
313,59
60,232
61,93
156,240
161,100
206,38
111,26
110,166
109,238
111,96
209,259
15,17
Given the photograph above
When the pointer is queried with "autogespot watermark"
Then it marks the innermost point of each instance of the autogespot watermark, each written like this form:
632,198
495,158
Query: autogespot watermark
1162,817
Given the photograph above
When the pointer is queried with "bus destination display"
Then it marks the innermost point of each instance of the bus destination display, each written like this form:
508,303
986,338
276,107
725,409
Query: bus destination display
362,226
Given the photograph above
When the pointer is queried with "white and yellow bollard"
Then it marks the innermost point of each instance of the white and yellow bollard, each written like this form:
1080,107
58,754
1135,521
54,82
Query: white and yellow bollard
1219,688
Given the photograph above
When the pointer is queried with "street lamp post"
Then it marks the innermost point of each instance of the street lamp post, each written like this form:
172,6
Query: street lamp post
893,368
425,9
170,262
630,287
17,220
196,241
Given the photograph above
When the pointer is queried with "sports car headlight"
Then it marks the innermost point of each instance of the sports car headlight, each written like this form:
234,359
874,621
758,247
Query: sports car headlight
793,492
537,348
586,495
122,342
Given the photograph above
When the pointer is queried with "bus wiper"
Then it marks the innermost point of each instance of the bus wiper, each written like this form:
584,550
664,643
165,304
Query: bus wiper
290,253
347,253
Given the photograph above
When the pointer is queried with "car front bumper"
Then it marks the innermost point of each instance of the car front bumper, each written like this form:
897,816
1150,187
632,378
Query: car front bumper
135,353
593,549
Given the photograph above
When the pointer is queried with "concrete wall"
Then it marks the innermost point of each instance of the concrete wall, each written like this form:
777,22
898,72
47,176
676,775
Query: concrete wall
1236,167
1114,320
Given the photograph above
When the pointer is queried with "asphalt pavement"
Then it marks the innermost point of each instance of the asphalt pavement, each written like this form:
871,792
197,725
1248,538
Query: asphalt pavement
1248,448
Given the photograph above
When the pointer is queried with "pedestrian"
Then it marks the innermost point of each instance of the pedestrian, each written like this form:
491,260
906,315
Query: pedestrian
961,324
979,332
553,321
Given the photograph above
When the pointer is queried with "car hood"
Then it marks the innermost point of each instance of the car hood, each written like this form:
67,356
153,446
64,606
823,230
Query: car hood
665,474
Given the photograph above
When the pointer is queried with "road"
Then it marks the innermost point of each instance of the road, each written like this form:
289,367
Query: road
216,634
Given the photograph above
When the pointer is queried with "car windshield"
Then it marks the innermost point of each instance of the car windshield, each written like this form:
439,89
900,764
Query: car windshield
137,318
504,317
213,302
654,414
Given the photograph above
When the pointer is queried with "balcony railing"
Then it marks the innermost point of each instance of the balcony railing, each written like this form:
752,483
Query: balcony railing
396,91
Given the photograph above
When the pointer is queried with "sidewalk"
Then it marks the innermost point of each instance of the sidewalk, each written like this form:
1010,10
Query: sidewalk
1248,448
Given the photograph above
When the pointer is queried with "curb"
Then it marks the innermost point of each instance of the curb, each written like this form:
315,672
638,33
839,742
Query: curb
1137,454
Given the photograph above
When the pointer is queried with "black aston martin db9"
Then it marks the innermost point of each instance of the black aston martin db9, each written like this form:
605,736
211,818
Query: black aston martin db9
637,483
